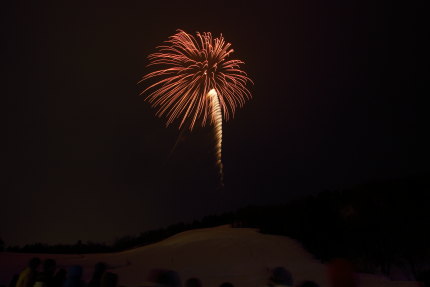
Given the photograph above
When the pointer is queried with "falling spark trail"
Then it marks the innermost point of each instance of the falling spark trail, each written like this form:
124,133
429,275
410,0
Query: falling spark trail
196,83
217,121
178,140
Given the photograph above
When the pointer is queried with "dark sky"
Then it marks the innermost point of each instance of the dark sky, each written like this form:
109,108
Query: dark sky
333,106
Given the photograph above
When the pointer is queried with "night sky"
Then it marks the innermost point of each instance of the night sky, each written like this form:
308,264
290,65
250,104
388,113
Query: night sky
333,106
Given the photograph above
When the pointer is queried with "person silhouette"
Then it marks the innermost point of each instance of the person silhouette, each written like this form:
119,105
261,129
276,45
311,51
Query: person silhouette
46,277
74,277
308,284
99,270
28,275
59,278
109,279
193,282
280,277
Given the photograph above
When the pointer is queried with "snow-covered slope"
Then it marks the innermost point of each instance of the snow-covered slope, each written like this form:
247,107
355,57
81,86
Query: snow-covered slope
215,255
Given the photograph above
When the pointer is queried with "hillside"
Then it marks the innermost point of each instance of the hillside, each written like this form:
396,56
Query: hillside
239,255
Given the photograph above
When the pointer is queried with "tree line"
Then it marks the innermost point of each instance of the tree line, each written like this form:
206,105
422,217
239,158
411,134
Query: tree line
375,226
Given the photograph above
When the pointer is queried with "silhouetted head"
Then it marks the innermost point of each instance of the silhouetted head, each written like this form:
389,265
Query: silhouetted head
169,278
226,284
49,266
193,282
281,276
109,279
100,268
59,278
309,284
34,263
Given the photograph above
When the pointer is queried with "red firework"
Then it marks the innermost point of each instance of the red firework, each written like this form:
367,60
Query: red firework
190,68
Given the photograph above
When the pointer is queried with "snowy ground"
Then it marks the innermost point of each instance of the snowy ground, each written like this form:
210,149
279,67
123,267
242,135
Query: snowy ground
214,255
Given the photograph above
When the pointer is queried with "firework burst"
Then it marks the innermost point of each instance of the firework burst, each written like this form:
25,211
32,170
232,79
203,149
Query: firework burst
197,82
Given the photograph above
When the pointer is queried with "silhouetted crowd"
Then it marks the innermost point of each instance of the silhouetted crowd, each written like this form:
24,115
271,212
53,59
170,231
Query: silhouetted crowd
340,274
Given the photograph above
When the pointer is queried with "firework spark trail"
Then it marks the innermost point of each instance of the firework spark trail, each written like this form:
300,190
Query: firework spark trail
198,83
216,116
192,67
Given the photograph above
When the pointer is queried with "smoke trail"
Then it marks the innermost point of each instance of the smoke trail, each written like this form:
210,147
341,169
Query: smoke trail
217,120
